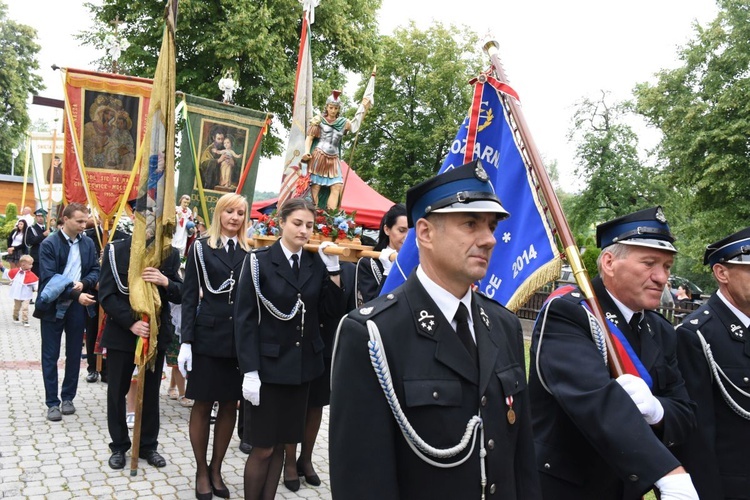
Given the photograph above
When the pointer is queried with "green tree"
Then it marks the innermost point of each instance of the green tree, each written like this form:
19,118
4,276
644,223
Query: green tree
18,62
421,97
703,111
257,40
607,159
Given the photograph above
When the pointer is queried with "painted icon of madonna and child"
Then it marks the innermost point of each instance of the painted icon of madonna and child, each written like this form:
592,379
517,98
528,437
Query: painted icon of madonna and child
220,163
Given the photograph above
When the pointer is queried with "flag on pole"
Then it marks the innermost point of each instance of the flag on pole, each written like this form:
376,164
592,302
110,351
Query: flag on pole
525,256
152,233
293,182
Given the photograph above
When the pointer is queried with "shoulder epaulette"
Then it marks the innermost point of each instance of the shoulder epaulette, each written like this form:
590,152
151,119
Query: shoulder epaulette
373,308
697,318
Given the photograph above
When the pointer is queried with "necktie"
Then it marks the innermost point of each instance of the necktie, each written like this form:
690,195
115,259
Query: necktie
230,249
635,328
295,265
464,332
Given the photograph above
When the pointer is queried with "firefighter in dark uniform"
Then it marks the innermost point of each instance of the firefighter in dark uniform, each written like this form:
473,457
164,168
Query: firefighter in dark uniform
602,438
448,417
713,349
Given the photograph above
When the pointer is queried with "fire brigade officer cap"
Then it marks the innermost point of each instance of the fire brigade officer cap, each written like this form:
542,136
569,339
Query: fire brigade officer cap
734,249
645,228
40,211
464,189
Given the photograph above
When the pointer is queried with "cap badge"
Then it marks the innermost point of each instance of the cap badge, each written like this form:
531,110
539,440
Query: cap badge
481,173
660,216
426,322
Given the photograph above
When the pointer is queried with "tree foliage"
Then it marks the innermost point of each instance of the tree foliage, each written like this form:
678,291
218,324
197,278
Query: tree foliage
258,40
18,62
703,110
617,182
421,97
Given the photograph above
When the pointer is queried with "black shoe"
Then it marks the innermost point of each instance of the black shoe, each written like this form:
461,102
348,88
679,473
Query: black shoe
219,492
246,448
153,458
313,479
292,485
92,377
117,460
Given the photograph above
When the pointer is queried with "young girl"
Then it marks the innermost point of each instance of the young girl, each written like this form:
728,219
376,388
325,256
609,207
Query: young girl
22,288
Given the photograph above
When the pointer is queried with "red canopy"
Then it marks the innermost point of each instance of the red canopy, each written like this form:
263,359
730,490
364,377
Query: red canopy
369,204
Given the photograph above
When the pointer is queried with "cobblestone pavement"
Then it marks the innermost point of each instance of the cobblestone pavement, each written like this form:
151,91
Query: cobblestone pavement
68,459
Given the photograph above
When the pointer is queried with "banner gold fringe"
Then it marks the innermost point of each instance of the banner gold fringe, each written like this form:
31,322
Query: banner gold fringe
548,272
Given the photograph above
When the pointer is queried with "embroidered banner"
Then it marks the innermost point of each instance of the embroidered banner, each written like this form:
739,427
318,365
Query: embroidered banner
47,168
525,256
216,150
105,122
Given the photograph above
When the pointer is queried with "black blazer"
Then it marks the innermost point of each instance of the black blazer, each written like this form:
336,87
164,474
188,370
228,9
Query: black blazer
439,388
369,278
116,305
207,323
284,352
34,237
591,440
718,453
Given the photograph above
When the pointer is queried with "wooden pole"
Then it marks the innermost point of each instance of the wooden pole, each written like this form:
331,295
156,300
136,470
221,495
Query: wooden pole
138,419
534,160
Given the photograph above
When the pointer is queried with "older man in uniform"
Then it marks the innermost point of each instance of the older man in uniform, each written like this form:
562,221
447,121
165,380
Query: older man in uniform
601,438
429,394
713,348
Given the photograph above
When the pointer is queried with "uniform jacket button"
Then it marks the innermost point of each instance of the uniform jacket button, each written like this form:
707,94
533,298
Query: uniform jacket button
483,401
632,478
298,327
491,444
436,395
746,380
296,344
493,489
547,466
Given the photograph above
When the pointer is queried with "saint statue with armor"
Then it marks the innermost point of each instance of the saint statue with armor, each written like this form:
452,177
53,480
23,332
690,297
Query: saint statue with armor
323,146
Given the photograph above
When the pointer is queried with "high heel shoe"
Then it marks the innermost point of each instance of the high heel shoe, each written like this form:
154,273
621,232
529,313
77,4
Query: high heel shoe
313,479
219,492
203,496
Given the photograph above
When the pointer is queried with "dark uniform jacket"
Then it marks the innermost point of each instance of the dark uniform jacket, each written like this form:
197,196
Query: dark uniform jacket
718,454
117,334
370,279
207,322
591,440
284,352
34,238
53,256
439,388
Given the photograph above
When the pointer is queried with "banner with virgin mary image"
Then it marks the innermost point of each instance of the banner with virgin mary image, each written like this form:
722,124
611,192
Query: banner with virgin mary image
216,152
105,121
47,151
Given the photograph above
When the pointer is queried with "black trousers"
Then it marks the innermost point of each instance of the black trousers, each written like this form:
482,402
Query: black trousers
92,328
120,371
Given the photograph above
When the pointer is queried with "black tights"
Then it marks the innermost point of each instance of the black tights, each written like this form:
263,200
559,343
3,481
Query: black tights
199,430
312,426
262,472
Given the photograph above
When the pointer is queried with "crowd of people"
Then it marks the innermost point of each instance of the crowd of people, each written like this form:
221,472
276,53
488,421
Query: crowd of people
428,391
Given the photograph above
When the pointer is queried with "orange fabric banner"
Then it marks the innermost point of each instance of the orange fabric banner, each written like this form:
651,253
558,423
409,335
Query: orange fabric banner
105,122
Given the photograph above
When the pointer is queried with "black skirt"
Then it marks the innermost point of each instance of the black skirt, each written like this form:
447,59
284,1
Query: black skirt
320,388
280,417
214,379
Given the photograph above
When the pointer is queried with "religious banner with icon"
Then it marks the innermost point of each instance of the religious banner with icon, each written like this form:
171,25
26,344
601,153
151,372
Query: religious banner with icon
219,151
105,121
47,168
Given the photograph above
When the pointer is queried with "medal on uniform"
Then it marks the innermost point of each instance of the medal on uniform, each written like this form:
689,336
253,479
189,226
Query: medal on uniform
511,413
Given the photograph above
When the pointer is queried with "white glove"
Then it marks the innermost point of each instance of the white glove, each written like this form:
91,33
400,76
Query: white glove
647,404
677,487
385,259
185,359
331,261
251,388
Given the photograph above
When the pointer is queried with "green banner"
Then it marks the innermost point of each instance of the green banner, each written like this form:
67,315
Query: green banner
215,153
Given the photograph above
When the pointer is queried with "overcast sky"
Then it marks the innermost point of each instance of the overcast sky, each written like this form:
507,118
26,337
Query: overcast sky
554,53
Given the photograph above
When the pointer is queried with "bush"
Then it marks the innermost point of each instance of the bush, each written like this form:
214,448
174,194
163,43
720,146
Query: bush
11,218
